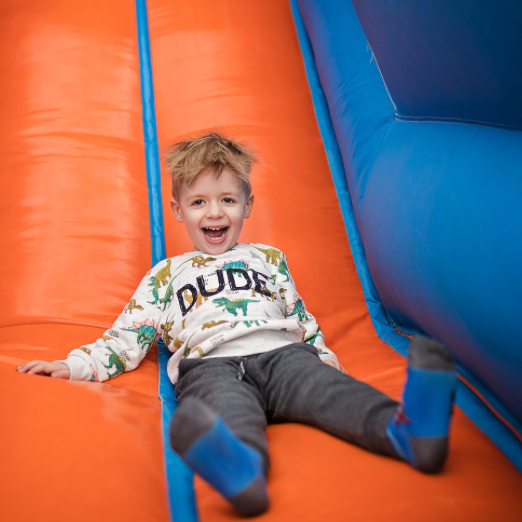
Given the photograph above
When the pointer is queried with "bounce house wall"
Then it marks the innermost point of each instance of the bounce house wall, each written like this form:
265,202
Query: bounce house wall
435,202
78,237
449,61
75,243
215,66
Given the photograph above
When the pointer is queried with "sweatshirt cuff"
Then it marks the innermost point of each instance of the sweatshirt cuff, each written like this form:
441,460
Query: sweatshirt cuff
79,368
330,356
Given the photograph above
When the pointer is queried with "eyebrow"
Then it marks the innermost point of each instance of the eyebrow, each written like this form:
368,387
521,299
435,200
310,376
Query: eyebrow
191,196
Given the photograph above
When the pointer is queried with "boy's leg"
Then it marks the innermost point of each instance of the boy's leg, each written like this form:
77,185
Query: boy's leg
218,429
300,388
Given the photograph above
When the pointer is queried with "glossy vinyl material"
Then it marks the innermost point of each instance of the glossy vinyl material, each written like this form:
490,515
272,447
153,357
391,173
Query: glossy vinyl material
436,202
449,60
74,192
75,241
217,65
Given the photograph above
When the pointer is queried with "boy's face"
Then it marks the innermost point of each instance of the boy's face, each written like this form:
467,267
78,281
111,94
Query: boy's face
213,210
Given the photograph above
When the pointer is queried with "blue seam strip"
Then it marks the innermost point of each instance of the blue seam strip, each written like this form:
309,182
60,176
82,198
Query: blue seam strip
152,163
180,489
467,400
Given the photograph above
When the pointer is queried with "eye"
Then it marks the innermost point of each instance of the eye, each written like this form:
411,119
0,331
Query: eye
229,200
197,203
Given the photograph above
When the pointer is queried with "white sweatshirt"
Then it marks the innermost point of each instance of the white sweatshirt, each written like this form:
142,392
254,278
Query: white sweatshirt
238,303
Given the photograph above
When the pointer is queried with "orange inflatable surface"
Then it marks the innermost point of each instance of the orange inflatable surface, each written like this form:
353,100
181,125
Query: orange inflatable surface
76,243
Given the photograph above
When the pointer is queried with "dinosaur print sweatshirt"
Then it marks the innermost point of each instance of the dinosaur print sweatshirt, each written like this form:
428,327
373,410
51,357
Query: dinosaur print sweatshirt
238,303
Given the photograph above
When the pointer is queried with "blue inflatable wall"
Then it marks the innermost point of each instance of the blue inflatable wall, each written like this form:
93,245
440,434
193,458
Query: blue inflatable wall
425,107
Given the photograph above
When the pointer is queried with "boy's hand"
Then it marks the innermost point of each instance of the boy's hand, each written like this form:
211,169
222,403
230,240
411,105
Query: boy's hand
335,364
58,370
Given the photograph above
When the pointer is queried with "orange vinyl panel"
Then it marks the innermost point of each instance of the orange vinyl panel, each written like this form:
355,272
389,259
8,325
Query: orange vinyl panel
237,66
75,244
74,191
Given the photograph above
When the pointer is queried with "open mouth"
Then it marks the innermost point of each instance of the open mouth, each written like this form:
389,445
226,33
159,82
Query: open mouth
215,234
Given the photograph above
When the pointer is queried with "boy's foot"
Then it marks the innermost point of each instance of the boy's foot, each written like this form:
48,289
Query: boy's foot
419,428
210,449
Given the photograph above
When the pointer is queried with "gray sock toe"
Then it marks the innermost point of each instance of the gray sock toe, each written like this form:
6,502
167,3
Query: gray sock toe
429,453
252,501
428,354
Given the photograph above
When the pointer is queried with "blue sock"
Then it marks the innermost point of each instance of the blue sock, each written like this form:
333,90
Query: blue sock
208,446
419,428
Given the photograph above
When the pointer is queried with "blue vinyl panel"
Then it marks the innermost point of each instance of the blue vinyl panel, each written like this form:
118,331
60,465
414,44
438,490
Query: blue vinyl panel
451,60
435,202
441,228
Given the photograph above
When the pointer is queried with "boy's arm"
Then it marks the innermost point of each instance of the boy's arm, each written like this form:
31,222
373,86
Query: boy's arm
122,347
294,306
125,344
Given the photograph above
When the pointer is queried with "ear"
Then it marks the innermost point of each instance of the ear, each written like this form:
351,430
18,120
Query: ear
248,206
176,210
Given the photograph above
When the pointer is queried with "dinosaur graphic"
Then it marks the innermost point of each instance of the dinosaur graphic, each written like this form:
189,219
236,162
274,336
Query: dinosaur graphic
283,269
248,323
153,283
297,308
131,305
237,265
199,261
211,324
167,327
312,337
167,298
272,254
177,343
107,338
146,333
262,290
169,294
282,292
199,350
187,350
161,275
86,350
199,300
115,361
232,306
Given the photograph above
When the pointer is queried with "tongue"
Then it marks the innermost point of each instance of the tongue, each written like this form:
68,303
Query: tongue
215,233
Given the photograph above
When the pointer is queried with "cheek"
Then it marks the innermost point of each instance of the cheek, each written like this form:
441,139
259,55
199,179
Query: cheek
237,218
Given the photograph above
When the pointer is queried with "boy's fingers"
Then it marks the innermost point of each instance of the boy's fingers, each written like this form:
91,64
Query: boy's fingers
39,368
28,366
61,374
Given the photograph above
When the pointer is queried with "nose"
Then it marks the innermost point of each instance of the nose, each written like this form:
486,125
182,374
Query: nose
214,210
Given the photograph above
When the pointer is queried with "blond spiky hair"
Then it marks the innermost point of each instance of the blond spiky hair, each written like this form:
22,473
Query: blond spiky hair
187,159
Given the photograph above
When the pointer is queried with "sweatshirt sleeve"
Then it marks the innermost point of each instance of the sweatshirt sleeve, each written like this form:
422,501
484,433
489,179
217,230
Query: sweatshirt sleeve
125,344
294,306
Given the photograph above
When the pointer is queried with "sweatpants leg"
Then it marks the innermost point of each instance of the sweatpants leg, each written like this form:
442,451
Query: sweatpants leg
236,400
299,387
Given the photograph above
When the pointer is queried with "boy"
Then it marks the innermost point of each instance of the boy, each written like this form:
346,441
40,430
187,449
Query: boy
246,351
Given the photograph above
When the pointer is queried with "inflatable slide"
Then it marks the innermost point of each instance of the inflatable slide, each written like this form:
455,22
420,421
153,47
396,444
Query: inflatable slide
389,145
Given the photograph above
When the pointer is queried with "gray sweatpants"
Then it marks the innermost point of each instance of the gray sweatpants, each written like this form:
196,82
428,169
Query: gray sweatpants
290,384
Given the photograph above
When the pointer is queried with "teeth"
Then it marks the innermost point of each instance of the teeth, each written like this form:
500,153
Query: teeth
222,229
